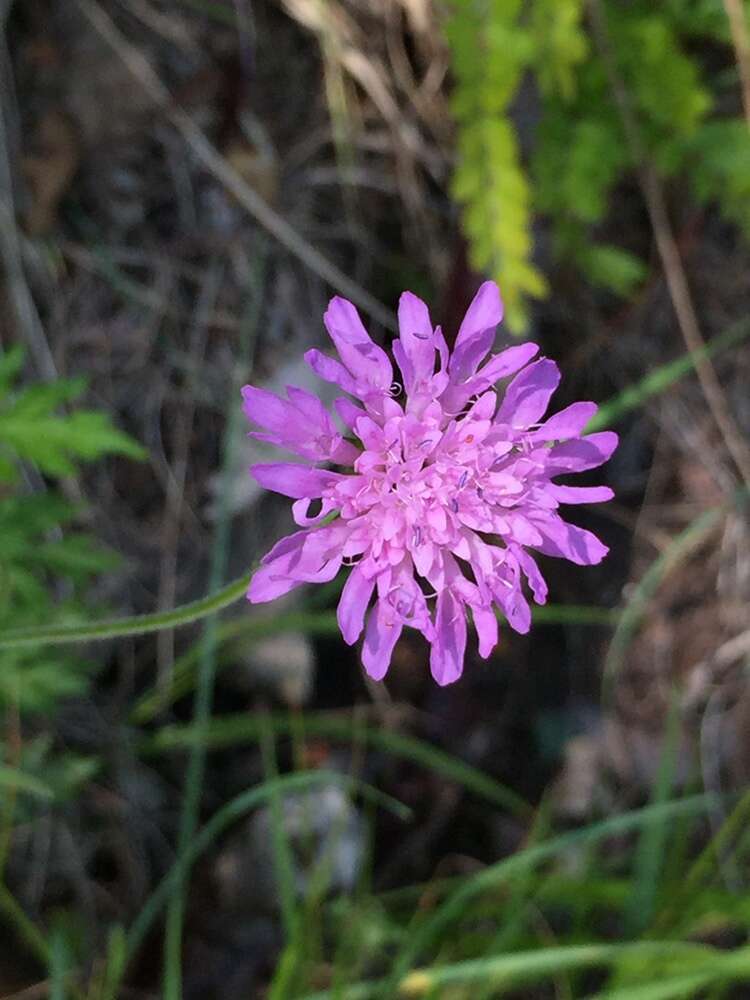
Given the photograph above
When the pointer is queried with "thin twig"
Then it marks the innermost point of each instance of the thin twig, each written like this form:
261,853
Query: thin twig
215,163
674,272
741,42
28,323
172,517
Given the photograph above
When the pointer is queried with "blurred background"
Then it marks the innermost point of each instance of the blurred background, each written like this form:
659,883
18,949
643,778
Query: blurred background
226,809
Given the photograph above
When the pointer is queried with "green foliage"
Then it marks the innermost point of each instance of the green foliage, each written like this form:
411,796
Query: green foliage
46,566
719,155
32,429
579,154
490,54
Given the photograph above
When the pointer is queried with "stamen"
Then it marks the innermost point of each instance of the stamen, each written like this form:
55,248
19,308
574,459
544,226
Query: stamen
454,505
462,480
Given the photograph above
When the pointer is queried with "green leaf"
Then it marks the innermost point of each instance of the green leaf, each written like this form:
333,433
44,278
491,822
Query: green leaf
13,779
612,267
10,365
719,158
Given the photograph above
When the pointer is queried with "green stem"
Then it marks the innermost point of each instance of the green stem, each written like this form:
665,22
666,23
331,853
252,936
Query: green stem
665,376
204,693
224,818
58,635
25,930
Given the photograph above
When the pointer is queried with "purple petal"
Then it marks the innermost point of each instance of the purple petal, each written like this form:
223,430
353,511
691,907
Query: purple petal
331,370
528,395
285,545
348,411
272,579
485,622
468,354
301,508
531,570
353,604
268,409
449,644
367,362
484,313
416,333
506,363
268,583
296,481
568,423
515,607
345,453
381,635
568,541
579,494
311,408
578,456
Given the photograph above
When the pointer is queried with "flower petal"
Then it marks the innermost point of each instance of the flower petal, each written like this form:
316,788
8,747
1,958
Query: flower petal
331,370
267,584
449,644
295,481
528,395
367,362
579,494
353,604
506,363
568,541
568,423
381,635
585,453
536,581
484,313
300,424
485,622
417,335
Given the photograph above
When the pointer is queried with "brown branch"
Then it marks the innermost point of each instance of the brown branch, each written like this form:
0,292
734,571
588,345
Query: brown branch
741,42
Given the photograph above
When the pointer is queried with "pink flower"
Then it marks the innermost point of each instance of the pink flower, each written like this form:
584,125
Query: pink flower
442,490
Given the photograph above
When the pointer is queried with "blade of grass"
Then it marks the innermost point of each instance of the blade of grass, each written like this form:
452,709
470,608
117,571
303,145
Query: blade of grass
538,964
25,930
649,852
59,961
425,936
230,730
662,378
223,819
673,915
11,777
193,788
667,988
282,853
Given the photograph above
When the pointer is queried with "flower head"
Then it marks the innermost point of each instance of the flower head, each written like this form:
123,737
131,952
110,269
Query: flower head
443,487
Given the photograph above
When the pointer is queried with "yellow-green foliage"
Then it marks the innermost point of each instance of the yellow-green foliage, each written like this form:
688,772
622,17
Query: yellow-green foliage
490,54
577,153
560,44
